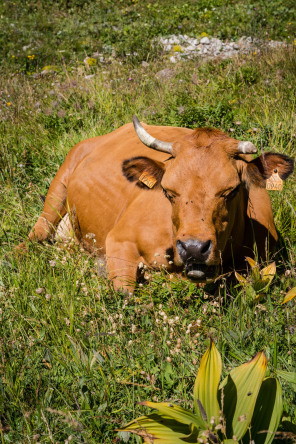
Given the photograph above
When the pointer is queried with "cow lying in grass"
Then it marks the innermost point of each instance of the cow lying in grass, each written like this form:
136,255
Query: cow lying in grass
164,196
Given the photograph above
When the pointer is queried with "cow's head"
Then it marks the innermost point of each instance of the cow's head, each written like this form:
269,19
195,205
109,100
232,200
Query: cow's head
204,179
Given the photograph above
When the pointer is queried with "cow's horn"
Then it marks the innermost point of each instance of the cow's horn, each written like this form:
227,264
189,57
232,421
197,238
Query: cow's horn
246,148
148,140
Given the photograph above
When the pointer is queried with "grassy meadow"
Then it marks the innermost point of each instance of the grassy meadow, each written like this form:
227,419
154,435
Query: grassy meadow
75,356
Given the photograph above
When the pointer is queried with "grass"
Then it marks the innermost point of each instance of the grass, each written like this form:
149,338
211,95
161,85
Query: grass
75,355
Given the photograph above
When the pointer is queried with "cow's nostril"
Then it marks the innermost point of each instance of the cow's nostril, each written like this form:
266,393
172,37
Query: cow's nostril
194,250
206,247
181,244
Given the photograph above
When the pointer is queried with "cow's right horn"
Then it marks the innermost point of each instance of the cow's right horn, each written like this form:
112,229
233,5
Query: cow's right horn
150,141
245,147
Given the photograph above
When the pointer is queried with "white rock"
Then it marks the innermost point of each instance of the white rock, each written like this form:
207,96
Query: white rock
190,48
216,44
205,41
165,74
167,47
173,59
236,46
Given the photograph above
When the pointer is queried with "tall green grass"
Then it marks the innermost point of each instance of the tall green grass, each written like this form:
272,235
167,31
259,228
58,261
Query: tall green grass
75,355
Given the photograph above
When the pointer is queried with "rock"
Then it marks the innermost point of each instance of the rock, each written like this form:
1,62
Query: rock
216,44
165,74
242,39
145,64
213,47
24,48
205,41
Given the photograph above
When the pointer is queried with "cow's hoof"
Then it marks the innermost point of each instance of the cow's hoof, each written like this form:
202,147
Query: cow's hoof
21,249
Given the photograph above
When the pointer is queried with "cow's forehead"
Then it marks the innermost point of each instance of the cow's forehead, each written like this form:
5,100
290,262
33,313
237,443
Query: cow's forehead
210,166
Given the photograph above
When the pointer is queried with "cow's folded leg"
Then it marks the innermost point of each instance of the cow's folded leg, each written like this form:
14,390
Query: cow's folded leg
53,211
122,263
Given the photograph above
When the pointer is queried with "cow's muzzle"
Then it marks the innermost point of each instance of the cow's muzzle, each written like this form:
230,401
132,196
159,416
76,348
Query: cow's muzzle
194,250
194,255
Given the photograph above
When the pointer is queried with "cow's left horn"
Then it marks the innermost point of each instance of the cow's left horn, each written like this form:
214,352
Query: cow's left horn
150,141
246,148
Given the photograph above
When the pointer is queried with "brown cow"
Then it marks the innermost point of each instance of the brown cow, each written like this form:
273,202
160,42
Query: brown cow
196,201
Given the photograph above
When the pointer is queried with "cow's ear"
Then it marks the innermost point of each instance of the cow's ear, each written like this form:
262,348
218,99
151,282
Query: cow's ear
147,173
261,168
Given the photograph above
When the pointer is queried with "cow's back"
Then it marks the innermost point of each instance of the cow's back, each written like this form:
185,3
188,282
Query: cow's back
97,191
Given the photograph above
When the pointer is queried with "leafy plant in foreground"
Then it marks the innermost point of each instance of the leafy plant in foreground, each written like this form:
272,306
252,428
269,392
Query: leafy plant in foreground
290,295
258,282
245,407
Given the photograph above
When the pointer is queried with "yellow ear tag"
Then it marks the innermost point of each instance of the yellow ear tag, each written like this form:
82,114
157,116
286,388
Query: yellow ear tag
274,182
147,179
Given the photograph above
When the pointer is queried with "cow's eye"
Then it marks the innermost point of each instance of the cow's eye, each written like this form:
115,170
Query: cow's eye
169,195
232,193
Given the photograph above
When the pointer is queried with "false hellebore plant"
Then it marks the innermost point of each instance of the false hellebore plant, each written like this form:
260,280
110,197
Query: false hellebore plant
245,407
258,282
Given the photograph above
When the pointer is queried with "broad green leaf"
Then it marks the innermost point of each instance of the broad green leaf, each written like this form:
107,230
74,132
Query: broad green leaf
175,412
240,278
268,272
206,383
260,284
290,295
267,413
238,394
254,268
251,262
288,376
161,428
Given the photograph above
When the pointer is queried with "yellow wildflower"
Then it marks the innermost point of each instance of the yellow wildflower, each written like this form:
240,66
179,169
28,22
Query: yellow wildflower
90,61
31,57
177,48
8,103
203,34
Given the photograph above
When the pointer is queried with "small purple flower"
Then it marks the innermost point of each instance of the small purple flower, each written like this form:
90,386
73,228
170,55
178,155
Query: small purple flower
130,79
